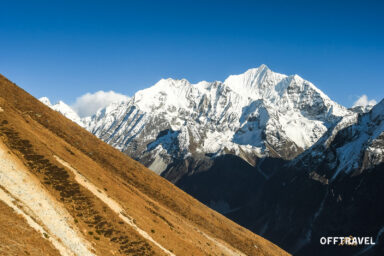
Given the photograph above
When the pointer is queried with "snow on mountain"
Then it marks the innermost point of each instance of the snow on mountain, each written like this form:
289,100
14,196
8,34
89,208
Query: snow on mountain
64,109
352,145
256,113
361,109
46,101
365,147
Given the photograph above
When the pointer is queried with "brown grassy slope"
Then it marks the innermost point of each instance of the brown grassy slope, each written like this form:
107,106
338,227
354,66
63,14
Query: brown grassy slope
171,216
95,220
17,238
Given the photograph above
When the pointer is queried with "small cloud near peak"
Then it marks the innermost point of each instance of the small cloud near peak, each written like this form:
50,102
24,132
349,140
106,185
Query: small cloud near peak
89,103
363,101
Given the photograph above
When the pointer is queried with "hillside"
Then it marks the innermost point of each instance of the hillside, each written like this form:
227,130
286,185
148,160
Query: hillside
69,193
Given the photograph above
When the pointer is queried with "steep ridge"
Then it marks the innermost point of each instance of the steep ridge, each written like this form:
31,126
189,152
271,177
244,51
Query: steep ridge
350,147
52,151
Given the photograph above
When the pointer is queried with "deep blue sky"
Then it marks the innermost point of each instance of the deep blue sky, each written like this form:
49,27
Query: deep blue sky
63,49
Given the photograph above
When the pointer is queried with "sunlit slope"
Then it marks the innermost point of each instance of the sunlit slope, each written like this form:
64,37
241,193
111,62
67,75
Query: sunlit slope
66,181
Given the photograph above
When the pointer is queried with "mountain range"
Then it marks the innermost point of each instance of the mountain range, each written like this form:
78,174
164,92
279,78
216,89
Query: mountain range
271,152
256,114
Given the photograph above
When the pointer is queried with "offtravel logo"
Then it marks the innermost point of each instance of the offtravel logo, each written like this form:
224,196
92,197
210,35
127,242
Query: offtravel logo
347,241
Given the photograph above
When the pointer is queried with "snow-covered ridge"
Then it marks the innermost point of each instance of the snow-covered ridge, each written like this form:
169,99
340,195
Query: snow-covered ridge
64,109
256,113
353,144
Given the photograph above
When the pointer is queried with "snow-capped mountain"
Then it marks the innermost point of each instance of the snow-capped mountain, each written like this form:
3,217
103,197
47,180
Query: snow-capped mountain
254,114
334,188
354,144
64,109
362,109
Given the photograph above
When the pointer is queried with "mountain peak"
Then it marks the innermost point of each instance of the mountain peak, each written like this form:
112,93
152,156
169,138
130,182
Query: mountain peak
46,101
255,82
263,66
64,109
241,114
170,82
260,69
243,107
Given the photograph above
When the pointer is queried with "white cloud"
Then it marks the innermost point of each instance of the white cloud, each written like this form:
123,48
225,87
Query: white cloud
89,103
363,101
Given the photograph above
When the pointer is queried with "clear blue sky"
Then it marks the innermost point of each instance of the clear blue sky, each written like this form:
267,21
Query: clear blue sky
63,49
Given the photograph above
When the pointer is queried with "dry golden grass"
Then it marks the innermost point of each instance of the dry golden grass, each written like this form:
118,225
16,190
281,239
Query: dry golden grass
174,219
17,238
